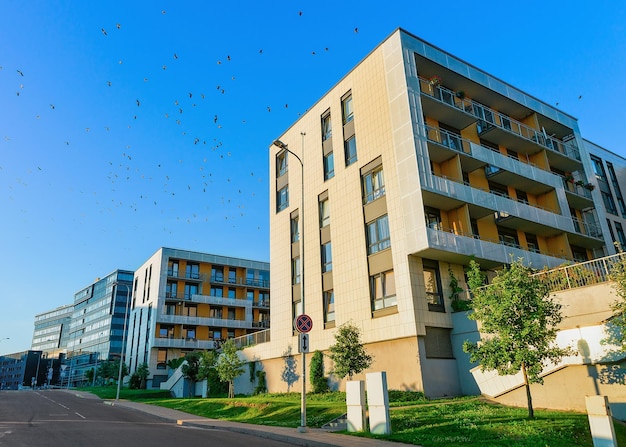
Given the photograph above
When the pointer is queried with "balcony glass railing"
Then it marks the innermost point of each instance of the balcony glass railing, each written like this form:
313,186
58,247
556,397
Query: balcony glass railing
489,118
449,140
587,228
574,188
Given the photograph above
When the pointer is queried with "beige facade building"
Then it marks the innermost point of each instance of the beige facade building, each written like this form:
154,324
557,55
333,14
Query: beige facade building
414,162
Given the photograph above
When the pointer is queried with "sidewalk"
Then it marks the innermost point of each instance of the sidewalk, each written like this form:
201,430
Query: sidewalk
314,437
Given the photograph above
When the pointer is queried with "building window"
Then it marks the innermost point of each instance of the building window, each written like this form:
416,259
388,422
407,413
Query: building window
250,295
432,285
609,203
217,274
169,309
324,213
531,242
231,313
508,237
373,185
172,268
192,271
329,166
346,107
349,147
215,312
281,163
217,334
378,235
230,333
189,332
327,128
295,271
166,331
295,229
327,258
608,222
231,293
437,343
161,358
616,188
190,290
329,306
171,290
383,290
217,291
232,276
620,234
433,218
598,169
282,198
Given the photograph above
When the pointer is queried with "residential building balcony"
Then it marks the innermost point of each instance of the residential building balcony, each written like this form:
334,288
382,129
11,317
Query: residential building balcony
482,203
240,281
578,196
450,246
205,321
184,343
187,276
522,175
452,108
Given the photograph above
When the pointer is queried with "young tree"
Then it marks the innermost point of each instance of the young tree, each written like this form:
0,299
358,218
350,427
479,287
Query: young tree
618,322
229,365
348,353
191,368
142,374
520,321
319,382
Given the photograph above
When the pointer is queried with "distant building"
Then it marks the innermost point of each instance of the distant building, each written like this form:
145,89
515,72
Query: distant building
22,369
185,301
51,331
97,326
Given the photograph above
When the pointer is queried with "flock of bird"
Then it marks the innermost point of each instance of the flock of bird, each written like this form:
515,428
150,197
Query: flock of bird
223,189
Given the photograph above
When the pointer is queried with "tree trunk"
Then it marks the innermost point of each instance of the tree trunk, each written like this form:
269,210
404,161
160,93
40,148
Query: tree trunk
529,398
231,389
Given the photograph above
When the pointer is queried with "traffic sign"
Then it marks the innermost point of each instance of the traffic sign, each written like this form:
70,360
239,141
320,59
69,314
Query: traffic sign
303,323
304,343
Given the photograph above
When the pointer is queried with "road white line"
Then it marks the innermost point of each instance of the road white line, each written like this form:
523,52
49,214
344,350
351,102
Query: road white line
78,414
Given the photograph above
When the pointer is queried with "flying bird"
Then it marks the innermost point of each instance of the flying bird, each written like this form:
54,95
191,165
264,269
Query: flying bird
104,31
118,26
175,56
20,73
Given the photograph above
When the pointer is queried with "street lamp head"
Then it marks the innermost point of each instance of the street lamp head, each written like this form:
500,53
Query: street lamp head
279,144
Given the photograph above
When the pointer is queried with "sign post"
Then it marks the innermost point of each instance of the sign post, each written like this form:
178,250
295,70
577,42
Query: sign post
303,324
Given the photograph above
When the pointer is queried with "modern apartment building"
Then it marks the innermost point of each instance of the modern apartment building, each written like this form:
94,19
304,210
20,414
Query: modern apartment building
415,162
52,329
184,301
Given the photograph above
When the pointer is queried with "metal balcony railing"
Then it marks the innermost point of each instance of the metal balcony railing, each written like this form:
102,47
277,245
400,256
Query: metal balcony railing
489,118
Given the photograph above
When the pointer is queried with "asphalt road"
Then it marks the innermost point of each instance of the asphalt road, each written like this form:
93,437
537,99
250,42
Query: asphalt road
58,418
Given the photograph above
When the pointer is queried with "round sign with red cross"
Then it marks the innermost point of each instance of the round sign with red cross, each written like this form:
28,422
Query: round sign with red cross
303,323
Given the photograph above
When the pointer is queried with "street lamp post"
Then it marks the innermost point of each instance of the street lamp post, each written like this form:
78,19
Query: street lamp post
119,377
283,146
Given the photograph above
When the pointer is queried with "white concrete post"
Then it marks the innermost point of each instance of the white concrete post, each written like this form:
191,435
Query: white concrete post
600,421
378,403
355,401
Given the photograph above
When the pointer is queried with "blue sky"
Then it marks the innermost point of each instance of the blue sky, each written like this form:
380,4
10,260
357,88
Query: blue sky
127,126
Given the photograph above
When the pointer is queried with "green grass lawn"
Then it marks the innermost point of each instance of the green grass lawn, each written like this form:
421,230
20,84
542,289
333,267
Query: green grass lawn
414,419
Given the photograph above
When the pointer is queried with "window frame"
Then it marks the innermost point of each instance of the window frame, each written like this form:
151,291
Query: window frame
327,126
371,191
329,165
326,251
282,198
347,109
282,163
385,283
328,297
350,150
324,210
377,240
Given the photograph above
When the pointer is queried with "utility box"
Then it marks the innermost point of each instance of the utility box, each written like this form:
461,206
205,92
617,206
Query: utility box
355,401
378,403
